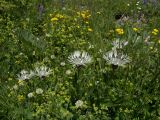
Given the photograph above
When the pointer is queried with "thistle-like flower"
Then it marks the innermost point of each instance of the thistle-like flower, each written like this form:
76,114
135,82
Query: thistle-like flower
119,44
114,58
42,71
79,58
24,75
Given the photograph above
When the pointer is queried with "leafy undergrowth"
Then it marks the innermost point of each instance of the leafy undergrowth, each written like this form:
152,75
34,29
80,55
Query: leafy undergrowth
80,60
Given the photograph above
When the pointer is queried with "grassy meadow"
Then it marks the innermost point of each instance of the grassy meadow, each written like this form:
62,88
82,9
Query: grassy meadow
80,60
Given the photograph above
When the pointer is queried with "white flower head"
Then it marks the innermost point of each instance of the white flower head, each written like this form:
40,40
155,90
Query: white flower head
24,75
30,95
115,58
42,71
78,58
79,103
119,44
39,91
53,56
68,72
62,63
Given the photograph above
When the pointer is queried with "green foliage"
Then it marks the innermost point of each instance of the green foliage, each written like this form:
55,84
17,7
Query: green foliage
38,33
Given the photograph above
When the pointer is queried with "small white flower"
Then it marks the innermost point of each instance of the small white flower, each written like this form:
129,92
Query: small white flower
62,63
68,72
24,75
79,58
79,103
34,53
30,95
15,87
139,8
119,44
42,71
115,58
21,53
39,91
53,56
91,46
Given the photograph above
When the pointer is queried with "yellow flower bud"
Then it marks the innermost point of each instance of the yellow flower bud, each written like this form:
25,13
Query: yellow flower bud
119,31
54,19
90,29
20,98
135,29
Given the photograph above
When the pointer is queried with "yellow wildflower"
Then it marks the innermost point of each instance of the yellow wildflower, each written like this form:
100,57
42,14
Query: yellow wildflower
90,29
20,98
59,16
21,82
84,14
87,22
54,19
155,31
119,31
135,29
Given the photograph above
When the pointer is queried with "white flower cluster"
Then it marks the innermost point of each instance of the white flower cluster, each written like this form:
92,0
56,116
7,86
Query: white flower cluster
38,92
25,75
79,103
113,57
41,71
79,58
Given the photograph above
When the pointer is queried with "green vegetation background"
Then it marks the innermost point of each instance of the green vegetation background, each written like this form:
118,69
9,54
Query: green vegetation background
27,37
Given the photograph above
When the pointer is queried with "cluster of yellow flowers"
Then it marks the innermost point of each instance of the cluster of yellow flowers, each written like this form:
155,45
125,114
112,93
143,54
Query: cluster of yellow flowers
155,31
90,29
135,29
119,31
84,14
56,17
73,21
20,98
